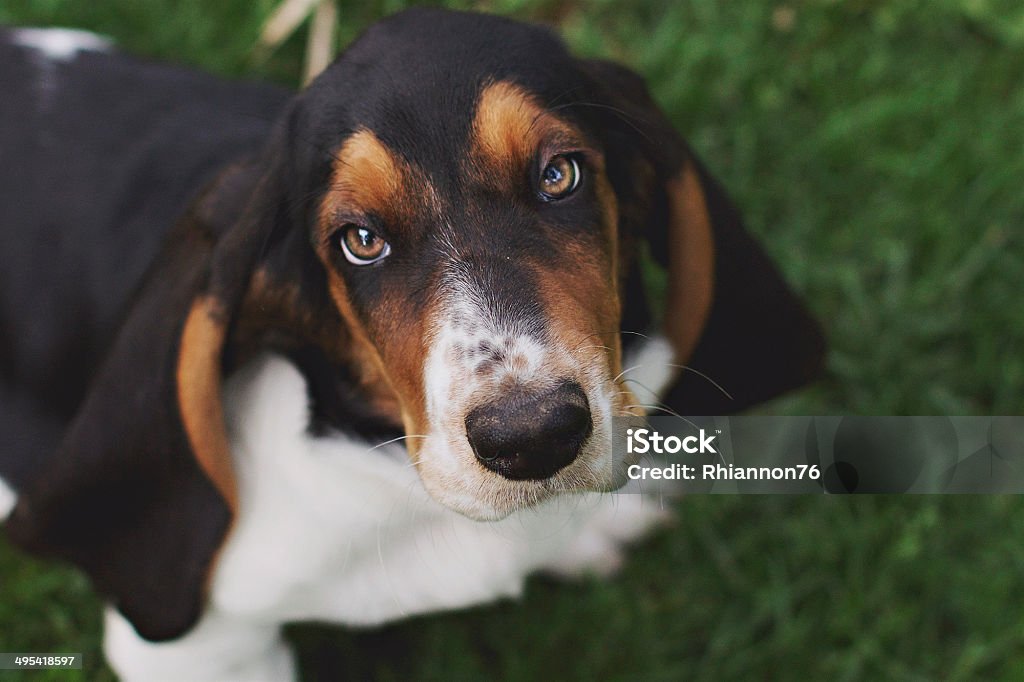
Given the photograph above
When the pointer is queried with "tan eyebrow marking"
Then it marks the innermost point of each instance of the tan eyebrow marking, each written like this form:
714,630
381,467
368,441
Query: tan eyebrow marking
505,114
510,125
366,175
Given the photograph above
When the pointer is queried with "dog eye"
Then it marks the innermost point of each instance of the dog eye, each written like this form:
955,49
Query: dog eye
560,178
362,246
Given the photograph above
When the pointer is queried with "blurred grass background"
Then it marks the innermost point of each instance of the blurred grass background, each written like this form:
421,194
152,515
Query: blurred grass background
877,148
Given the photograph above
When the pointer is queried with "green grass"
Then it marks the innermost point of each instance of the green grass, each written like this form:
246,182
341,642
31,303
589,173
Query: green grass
878,151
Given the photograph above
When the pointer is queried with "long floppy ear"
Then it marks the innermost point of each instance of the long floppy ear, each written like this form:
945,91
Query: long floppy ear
141,491
729,317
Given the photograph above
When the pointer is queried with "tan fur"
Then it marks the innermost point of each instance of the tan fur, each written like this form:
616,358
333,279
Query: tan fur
199,399
366,175
692,258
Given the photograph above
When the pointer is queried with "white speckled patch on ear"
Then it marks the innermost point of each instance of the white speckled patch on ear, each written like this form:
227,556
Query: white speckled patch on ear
61,44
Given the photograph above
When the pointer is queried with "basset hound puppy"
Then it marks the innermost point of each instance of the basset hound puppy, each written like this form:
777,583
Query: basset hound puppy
260,350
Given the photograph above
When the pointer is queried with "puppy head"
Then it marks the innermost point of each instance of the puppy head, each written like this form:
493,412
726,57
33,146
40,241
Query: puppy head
466,200
476,196
450,215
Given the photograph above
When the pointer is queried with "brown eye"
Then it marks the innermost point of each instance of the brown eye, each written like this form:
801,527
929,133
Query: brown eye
559,178
362,246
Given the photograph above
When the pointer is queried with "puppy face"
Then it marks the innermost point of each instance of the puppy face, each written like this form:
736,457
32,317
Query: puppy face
481,287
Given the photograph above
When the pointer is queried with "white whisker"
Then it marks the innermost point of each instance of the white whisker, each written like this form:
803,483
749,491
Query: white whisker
394,440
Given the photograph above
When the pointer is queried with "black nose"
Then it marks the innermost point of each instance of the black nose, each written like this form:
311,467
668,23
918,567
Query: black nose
529,435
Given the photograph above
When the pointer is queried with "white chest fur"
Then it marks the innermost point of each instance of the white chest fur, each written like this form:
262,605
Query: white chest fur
338,530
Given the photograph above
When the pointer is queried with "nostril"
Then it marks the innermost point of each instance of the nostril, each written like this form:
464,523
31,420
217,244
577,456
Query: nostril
567,419
530,436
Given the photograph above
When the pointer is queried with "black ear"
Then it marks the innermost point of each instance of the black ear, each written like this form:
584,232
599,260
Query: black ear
730,317
141,490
